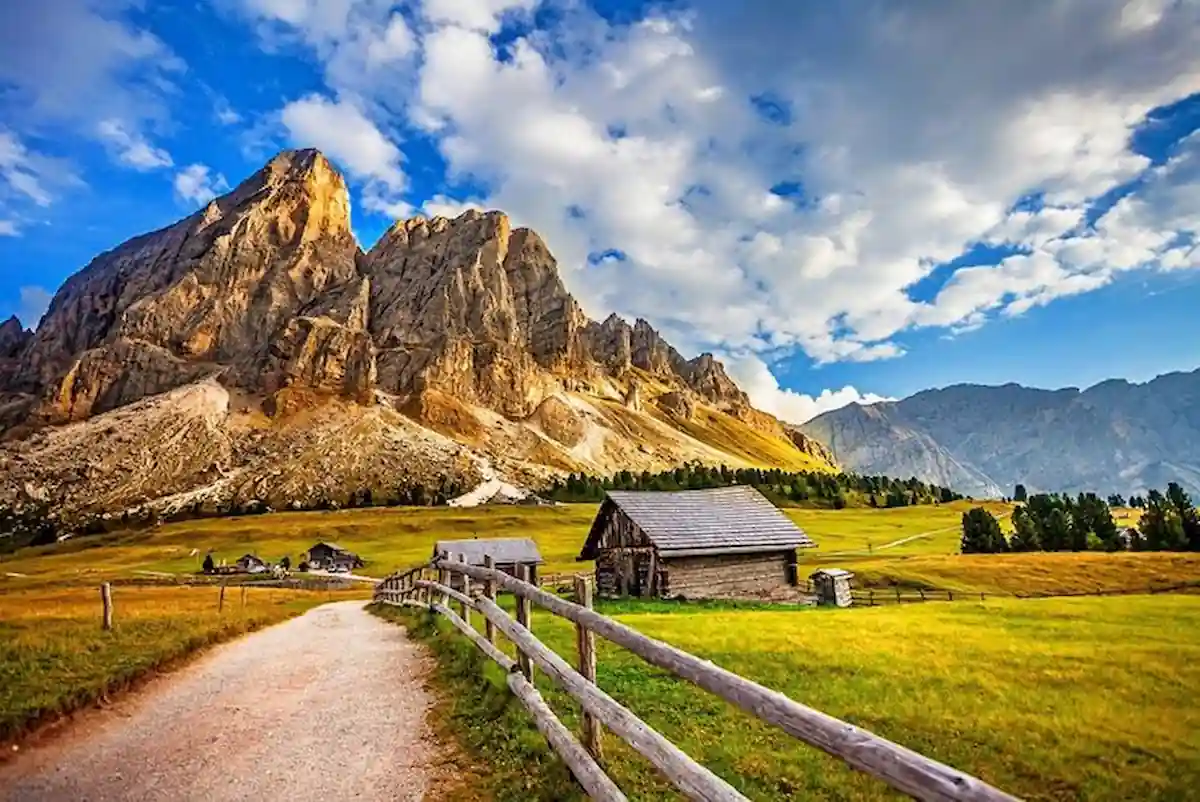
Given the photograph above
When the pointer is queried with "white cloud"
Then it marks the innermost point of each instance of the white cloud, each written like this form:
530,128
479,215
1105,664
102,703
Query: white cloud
642,139
131,148
116,70
342,130
225,113
27,177
34,303
194,184
481,15
753,375
346,134
443,206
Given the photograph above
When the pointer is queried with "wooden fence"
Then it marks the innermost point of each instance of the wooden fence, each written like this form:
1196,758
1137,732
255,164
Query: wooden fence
427,587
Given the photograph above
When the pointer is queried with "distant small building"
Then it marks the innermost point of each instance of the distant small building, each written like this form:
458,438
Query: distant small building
725,542
832,586
251,564
331,555
506,553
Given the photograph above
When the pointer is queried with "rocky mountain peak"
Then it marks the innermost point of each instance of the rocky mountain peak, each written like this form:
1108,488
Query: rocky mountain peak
264,300
13,338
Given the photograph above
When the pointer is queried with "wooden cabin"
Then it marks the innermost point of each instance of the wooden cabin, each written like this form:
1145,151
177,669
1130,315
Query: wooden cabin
330,555
726,542
506,553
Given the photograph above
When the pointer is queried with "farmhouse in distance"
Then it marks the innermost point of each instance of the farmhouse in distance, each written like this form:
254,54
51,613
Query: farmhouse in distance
724,542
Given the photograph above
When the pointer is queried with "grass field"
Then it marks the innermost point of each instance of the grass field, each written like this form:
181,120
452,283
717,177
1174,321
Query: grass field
1050,699
910,546
55,657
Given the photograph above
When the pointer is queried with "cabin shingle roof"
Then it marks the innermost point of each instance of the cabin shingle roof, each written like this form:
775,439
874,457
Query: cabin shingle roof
502,550
722,520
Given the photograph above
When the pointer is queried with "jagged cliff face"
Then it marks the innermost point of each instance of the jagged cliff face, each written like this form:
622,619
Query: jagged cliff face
459,331
1115,437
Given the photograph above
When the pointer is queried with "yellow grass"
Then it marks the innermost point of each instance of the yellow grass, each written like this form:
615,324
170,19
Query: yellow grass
55,656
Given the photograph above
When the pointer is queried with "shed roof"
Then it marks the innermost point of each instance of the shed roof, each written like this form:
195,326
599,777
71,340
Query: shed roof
330,546
722,520
501,550
835,573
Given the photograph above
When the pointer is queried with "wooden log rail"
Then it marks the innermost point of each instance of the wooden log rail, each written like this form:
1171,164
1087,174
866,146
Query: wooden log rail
901,768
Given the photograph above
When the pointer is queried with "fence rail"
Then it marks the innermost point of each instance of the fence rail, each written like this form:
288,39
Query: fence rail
901,768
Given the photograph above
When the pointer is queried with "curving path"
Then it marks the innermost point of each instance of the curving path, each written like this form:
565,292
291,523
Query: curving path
327,706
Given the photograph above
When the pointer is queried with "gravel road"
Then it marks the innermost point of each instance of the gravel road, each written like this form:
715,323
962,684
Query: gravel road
327,706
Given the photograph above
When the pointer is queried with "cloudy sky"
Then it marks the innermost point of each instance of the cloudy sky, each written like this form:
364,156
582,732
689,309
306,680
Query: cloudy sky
844,200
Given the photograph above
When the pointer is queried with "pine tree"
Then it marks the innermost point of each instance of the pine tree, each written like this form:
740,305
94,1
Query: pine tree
1020,495
981,533
1025,532
208,565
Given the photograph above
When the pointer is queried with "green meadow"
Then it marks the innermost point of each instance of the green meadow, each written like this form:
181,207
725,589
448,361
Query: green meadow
1048,699
906,546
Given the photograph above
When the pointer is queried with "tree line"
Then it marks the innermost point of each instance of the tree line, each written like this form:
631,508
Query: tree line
1060,522
814,488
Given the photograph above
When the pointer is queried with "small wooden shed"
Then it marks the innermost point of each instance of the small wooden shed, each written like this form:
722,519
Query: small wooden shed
251,563
506,553
832,586
725,542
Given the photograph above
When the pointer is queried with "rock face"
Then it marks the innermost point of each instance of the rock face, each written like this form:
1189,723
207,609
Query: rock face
264,301
1115,437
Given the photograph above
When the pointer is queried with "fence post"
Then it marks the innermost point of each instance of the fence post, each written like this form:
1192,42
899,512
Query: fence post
871,596
243,597
922,592
949,595
523,618
221,598
897,594
585,641
466,589
444,579
981,595
489,590
106,600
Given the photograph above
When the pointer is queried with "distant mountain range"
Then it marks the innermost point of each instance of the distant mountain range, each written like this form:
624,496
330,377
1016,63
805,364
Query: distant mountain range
1116,437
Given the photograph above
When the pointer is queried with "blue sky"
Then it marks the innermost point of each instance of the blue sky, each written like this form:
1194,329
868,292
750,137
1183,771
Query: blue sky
845,201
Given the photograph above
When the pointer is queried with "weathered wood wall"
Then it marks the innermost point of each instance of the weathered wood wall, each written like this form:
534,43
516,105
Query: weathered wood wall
624,566
727,575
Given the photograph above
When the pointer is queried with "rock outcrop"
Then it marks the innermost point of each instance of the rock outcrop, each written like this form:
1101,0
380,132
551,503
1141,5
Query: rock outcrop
1115,437
265,305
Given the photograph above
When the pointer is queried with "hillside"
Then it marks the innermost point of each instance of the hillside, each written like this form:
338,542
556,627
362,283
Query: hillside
253,351
1113,437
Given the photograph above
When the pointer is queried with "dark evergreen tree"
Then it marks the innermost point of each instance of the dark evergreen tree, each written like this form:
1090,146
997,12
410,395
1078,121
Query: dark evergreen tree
208,566
981,533
1020,495
1026,536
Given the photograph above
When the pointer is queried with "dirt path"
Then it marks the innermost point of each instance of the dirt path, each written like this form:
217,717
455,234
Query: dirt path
330,705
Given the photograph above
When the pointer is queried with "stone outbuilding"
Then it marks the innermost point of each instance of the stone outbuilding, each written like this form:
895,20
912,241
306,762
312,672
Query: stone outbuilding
726,542
832,586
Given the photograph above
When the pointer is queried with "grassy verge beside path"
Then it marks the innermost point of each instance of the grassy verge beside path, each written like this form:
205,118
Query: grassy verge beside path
1052,699
55,658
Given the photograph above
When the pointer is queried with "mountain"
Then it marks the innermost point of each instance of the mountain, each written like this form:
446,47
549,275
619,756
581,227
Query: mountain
1115,437
254,352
